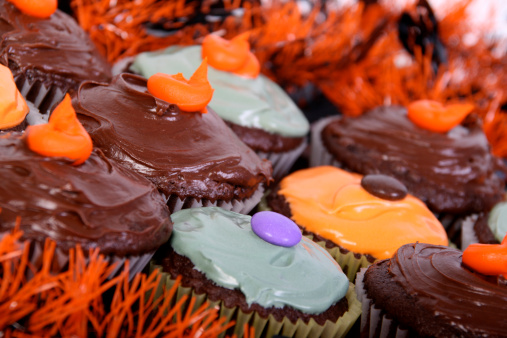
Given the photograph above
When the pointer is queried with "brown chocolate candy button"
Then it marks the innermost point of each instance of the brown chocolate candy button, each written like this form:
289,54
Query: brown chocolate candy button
384,186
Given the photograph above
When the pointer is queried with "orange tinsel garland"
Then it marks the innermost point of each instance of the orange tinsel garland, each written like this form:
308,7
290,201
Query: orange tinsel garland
70,303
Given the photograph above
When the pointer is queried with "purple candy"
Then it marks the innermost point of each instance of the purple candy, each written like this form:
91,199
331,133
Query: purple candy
276,228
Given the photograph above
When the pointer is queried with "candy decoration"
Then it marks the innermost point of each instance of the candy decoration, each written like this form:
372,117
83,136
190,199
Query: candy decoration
231,56
385,187
189,95
62,136
37,8
433,116
276,229
487,259
13,108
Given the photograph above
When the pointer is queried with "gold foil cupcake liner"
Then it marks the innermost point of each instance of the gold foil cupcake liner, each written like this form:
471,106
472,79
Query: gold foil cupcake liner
268,327
283,162
175,203
375,323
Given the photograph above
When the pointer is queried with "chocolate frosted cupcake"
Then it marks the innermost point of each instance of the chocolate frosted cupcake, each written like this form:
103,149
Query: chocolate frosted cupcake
192,157
47,56
428,291
452,170
74,195
259,271
256,108
357,219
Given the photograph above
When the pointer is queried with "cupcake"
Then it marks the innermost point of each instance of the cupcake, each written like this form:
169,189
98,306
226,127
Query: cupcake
47,52
184,148
256,108
258,271
486,227
428,290
57,187
357,219
439,153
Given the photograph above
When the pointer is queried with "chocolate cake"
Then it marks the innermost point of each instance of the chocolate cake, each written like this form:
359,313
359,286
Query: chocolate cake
95,204
48,57
425,290
191,157
452,172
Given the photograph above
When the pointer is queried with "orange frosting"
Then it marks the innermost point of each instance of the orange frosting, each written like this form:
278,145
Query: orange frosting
62,136
13,108
330,202
231,56
488,259
434,116
189,95
38,8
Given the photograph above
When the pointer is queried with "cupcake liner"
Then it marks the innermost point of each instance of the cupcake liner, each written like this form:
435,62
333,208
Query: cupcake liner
319,154
43,97
283,162
468,235
268,327
349,263
34,116
175,203
61,260
375,323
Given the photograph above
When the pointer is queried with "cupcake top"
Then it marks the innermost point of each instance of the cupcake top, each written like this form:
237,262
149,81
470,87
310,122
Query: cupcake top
450,171
497,221
458,300
249,102
371,215
56,45
95,204
184,153
229,253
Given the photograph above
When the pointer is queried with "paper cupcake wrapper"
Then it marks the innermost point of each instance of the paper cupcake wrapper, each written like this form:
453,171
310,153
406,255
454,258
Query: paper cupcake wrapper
319,154
61,259
283,162
268,327
42,96
175,203
373,322
468,235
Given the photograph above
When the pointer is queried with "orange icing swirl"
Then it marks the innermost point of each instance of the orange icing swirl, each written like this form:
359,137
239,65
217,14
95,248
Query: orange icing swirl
37,8
13,108
331,203
231,56
487,259
62,136
434,116
189,95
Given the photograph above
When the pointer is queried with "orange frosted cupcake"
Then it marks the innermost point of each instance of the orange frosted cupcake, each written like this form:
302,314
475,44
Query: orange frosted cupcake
357,219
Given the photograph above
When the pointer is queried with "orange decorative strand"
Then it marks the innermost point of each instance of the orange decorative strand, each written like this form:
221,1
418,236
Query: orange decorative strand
189,95
38,8
13,108
434,116
487,259
63,136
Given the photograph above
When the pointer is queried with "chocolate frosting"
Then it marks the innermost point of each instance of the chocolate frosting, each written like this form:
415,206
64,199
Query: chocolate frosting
451,172
456,300
188,154
96,204
54,50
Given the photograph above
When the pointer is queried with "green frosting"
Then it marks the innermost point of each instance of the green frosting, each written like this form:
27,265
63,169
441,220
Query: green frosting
222,245
258,103
497,220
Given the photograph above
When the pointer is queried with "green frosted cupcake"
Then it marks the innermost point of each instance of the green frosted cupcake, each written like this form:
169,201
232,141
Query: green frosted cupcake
283,284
